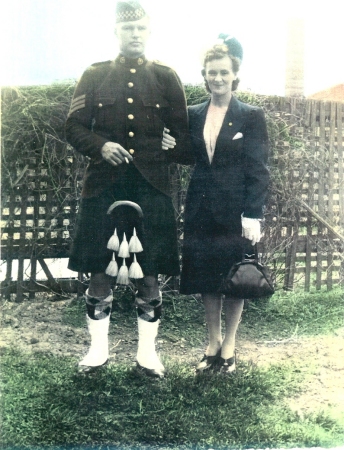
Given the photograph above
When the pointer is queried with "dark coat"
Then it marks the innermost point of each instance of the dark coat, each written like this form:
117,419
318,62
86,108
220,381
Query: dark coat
128,101
236,181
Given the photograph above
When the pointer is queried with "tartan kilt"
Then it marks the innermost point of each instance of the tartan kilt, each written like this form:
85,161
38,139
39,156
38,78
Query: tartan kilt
157,230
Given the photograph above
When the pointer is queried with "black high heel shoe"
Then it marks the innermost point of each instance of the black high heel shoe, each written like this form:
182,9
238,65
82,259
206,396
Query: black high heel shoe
226,366
208,363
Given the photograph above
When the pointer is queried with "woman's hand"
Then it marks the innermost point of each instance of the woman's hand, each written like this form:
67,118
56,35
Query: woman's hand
168,141
115,154
251,229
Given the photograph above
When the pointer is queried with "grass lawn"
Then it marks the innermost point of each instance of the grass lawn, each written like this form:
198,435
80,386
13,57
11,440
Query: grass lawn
45,404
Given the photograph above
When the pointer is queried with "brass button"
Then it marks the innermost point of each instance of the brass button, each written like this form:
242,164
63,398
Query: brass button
230,124
132,70
100,105
157,105
131,151
140,61
130,117
130,84
131,134
122,59
130,100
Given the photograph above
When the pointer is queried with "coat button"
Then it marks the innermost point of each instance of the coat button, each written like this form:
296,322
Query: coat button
100,105
140,61
230,124
132,70
131,151
130,117
130,100
122,59
130,84
131,134
157,105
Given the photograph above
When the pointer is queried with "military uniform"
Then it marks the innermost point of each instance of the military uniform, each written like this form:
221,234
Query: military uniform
129,102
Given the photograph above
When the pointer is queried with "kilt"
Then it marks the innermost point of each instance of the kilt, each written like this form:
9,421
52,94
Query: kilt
209,251
157,231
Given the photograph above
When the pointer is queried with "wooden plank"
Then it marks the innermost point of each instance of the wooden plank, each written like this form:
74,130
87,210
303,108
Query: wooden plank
331,161
322,161
319,262
33,277
339,123
288,256
21,258
308,254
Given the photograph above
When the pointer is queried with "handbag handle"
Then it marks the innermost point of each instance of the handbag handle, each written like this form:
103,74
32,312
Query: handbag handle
256,257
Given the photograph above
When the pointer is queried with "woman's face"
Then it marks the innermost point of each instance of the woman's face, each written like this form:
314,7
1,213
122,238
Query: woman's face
220,76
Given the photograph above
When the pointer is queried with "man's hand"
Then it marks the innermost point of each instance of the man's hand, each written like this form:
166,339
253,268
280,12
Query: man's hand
168,141
115,154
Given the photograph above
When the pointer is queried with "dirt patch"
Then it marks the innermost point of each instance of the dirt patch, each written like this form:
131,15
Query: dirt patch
38,325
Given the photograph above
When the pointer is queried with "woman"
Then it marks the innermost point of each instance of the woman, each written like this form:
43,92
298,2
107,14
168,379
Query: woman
225,197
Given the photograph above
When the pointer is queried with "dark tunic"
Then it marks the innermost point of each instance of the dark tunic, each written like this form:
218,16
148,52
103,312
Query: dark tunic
128,102
235,183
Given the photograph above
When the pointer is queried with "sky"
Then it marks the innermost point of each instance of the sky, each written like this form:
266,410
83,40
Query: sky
43,41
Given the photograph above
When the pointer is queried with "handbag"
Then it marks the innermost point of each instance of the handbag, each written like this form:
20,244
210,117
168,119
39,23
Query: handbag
248,279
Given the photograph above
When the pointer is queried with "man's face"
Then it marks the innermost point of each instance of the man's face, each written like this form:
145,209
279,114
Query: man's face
132,37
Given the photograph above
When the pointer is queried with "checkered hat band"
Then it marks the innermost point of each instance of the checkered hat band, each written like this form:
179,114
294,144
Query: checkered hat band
128,16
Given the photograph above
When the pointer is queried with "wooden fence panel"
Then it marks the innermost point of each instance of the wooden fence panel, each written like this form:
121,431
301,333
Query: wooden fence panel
305,247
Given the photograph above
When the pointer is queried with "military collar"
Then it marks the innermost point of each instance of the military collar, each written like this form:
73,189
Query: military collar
131,62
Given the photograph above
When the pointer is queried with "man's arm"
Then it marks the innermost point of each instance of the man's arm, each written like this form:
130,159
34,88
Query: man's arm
177,119
79,125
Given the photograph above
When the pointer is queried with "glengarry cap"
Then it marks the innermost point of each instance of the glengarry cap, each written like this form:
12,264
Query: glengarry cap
129,11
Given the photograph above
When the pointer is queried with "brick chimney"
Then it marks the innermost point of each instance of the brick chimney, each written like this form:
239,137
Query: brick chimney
294,80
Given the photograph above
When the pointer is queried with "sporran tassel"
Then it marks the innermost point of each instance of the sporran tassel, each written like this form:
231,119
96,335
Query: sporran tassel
135,270
135,245
124,248
112,268
113,243
123,274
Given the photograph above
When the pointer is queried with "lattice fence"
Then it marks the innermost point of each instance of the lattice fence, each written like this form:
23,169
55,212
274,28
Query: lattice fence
304,218
307,206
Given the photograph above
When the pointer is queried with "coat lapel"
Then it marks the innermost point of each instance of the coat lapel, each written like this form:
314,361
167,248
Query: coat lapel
232,123
199,115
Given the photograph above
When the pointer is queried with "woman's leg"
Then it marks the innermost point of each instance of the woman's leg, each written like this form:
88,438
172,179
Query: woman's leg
213,306
233,309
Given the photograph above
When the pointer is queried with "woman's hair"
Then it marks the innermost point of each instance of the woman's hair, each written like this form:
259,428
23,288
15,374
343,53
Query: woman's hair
219,51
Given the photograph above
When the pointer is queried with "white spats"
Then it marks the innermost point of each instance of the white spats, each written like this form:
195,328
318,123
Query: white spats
98,353
147,356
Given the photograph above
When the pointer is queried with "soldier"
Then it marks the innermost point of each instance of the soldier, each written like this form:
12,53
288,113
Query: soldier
117,117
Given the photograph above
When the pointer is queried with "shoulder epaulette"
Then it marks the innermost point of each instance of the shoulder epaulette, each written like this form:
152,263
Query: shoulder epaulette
159,63
101,63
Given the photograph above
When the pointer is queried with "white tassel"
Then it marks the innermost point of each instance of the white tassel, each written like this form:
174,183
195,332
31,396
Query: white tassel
135,245
112,268
135,270
113,243
123,275
124,248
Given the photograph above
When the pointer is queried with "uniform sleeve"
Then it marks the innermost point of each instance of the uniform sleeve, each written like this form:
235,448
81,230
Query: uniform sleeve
79,123
177,121
256,171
